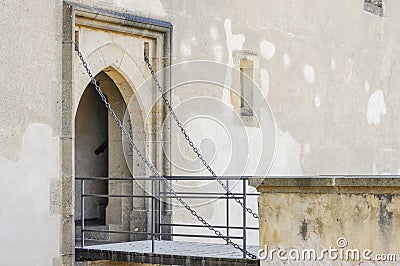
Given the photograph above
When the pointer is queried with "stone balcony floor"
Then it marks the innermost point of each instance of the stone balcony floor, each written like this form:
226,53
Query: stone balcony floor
168,253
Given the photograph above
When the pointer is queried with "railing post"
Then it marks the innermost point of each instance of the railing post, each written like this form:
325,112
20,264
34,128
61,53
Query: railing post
244,217
82,213
227,210
153,216
159,208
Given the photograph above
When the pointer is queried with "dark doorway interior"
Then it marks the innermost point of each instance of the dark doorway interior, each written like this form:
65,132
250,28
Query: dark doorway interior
91,155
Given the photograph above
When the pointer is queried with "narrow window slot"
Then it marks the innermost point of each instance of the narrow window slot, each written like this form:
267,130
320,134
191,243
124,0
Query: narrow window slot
246,87
77,38
147,49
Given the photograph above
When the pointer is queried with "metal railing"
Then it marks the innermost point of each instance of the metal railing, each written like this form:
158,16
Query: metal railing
160,198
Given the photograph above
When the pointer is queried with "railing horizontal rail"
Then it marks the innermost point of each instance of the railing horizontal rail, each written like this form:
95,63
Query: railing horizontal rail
215,226
157,197
210,193
188,178
157,234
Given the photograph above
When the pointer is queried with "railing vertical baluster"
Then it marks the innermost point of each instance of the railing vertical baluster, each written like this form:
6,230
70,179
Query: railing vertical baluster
82,213
153,215
159,208
227,211
244,217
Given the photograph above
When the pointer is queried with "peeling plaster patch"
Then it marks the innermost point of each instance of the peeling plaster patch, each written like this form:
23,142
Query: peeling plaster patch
366,85
218,53
287,155
376,107
286,60
214,33
264,81
309,73
317,101
267,49
233,41
26,186
333,64
307,148
185,49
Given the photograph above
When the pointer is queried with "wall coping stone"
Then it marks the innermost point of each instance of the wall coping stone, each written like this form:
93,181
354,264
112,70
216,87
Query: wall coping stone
326,181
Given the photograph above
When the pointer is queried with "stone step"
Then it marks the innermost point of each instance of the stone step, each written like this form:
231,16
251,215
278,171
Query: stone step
93,235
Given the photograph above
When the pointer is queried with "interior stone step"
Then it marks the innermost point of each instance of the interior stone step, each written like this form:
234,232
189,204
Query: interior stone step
93,235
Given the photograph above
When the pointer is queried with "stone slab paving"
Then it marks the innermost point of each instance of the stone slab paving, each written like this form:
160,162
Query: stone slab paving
168,253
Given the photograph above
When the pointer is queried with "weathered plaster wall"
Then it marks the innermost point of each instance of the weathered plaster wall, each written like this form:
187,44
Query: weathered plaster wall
327,68
30,69
30,183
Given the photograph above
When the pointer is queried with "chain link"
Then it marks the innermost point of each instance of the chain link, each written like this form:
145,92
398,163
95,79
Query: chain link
191,144
151,166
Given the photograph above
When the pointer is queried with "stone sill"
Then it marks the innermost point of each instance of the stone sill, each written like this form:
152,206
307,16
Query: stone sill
274,183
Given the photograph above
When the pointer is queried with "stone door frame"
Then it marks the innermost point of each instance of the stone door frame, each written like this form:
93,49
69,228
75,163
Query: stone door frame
161,32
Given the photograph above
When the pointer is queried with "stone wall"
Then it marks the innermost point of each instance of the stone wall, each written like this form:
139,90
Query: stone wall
349,214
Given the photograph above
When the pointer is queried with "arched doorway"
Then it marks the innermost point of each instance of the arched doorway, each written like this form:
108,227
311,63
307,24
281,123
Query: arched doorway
99,152
91,154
